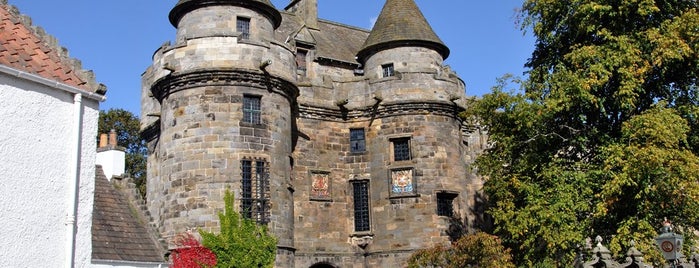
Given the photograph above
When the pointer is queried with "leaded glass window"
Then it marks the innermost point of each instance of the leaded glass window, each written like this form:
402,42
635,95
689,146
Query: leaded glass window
252,109
361,206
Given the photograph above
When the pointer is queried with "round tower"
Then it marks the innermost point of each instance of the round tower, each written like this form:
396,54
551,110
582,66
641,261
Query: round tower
225,91
417,136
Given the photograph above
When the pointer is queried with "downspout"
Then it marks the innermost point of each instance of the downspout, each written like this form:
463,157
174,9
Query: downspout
74,182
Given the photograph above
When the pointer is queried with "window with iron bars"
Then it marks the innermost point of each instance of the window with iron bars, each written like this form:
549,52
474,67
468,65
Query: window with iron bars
445,204
361,206
255,200
243,27
401,149
388,70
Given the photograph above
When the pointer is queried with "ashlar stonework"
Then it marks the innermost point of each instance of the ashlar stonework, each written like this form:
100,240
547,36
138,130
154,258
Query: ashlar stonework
342,140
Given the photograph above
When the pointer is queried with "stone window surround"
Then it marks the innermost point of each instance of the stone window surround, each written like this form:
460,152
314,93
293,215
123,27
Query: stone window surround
243,24
392,140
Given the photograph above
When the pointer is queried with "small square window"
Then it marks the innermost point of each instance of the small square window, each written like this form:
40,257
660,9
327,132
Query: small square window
243,27
445,204
388,70
357,140
401,149
251,109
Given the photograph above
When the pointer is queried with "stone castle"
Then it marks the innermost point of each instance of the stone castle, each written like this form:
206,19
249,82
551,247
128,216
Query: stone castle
345,142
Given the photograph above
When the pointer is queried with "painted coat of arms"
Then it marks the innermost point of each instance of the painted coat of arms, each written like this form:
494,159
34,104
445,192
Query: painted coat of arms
320,186
402,182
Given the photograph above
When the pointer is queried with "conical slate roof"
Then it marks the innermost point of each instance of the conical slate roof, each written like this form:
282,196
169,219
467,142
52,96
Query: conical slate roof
401,23
265,7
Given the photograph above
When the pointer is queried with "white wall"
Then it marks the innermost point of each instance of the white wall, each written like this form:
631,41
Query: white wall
35,179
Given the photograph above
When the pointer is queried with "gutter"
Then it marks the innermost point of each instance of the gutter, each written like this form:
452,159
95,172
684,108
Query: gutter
117,263
51,83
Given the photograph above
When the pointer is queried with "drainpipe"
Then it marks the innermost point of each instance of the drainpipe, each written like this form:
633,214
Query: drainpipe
74,181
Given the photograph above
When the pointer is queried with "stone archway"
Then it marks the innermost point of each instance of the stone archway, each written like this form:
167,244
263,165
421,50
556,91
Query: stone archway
323,265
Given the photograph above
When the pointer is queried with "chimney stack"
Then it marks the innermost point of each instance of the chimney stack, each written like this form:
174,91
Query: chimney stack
307,10
110,156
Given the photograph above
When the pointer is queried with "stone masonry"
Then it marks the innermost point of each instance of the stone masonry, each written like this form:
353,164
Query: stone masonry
316,81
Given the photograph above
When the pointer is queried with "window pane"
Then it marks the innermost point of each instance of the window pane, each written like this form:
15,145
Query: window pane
243,27
251,109
246,200
401,149
445,204
361,206
387,70
357,142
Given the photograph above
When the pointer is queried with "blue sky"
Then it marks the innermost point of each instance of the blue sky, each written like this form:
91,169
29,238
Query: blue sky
116,39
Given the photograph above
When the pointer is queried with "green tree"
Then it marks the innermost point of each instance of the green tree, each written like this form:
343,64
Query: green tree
573,150
474,250
127,127
241,243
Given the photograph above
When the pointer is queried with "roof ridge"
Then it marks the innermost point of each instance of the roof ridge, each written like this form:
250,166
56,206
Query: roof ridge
50,42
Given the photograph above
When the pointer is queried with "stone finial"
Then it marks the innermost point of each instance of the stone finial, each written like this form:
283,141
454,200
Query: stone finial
634,258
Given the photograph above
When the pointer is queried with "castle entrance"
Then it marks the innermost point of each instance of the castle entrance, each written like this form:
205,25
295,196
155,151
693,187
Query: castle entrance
322,265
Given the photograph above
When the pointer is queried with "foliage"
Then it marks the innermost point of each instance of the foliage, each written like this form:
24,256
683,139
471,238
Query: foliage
474,250
191,254
241,243
127,127
602,137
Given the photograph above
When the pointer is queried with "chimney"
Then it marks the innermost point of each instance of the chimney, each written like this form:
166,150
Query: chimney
111,156
307,10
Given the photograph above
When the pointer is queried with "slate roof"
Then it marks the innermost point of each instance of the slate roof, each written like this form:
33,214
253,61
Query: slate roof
264,6
334,41
28,48
401,23
118,232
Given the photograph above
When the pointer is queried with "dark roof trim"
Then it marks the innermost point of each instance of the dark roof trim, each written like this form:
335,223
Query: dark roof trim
185,6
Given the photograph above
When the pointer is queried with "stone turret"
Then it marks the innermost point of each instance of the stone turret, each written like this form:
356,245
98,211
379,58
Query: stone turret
225,94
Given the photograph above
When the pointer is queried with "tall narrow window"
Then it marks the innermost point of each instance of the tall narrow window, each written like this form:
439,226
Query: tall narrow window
243,27
445,204
357,140
255,202
401,149
251,109
388,70
301,64
361,206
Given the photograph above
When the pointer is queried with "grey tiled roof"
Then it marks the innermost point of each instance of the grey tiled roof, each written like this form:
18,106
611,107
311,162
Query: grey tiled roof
401,23
118,233
264,6
334,41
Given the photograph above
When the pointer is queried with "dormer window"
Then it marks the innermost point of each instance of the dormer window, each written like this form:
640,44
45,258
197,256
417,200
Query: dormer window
243,27
301,64
388,70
